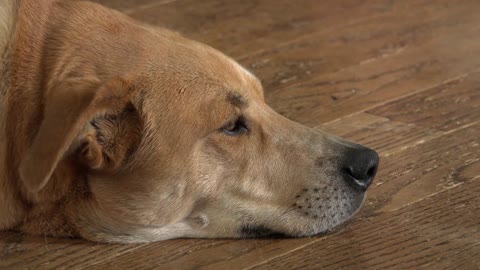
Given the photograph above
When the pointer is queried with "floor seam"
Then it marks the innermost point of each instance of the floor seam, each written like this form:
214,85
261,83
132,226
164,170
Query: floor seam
130,11
365,110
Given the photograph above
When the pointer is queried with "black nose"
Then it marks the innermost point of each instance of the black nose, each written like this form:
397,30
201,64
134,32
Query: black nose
360,166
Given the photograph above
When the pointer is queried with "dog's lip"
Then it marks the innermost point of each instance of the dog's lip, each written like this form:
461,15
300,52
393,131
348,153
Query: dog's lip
314,232
260,231
251,230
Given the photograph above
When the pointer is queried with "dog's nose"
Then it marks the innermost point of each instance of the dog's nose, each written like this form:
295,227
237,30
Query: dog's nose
360,167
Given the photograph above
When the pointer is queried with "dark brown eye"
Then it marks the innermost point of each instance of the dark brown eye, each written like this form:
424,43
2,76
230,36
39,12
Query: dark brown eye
238,127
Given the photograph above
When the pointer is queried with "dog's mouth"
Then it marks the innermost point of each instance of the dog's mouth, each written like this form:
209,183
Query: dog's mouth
250,230
259,231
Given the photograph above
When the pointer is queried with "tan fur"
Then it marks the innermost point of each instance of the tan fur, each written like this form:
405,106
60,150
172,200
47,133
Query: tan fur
7,22
11,209
114,131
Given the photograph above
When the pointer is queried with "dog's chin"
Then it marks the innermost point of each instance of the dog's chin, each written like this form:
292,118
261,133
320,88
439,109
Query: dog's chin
312,227
341,222
344,221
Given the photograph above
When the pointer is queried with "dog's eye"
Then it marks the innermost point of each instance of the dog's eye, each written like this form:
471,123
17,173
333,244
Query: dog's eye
235,128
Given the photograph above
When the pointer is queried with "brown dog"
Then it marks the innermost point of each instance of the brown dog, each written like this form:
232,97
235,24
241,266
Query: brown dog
117,131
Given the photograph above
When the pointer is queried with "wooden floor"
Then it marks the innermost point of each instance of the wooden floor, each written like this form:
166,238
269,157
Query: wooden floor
402,77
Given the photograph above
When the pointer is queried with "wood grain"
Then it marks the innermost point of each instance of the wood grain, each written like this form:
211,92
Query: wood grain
132,6
242,27
29,252
363,87
458,103
333,48
382,134
399,76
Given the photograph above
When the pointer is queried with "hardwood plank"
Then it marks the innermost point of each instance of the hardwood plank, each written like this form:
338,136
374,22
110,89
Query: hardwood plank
416,235
131,5
457,102
380,133
199,254
242,27
418,172
345,45
30,252
365,86
461,258
412,120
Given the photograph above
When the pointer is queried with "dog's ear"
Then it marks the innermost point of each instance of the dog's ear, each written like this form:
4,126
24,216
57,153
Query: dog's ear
80,115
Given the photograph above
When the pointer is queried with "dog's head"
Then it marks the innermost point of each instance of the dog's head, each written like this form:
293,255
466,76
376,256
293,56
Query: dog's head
156,136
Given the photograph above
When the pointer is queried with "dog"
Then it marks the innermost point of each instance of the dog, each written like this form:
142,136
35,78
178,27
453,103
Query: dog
117,131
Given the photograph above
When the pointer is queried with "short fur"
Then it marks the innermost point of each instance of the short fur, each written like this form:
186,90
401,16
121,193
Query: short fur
116,131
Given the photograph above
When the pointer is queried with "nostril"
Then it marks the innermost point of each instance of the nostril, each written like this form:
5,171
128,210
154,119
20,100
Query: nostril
372,171
349,171
360,167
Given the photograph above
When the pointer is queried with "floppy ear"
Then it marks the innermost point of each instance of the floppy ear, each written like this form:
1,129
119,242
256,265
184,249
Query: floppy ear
69,108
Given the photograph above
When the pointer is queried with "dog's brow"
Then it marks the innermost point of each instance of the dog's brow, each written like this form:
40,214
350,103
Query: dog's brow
236,99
